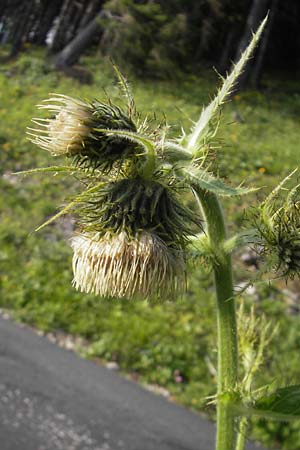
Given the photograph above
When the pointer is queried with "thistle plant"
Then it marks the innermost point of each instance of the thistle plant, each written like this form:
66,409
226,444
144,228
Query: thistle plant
135,232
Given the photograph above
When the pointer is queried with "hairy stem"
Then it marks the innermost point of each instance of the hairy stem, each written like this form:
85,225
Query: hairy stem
241,438
226,320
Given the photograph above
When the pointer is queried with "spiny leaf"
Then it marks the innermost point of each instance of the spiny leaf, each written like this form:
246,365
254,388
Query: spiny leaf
268,204
282,405
49,169
283,401
175,152
278,188
246,237
145,142
201,127
70,205
202,179
293,195
200,247
125,89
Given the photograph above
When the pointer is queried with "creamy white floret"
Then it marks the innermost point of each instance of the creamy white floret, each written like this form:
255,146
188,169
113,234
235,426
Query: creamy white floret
125,267
67,130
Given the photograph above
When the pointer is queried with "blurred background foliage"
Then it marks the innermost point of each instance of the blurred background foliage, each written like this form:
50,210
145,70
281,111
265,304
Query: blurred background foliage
156,38
167,49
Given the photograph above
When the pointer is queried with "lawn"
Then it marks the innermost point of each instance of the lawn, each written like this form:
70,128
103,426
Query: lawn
171,345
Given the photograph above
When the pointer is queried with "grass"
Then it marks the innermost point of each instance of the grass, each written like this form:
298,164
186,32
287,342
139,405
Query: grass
172,345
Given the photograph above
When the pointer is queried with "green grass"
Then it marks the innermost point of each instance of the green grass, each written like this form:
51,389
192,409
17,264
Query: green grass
172,345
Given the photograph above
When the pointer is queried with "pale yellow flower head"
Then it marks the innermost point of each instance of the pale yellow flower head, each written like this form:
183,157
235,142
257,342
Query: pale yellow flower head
66,132
119,266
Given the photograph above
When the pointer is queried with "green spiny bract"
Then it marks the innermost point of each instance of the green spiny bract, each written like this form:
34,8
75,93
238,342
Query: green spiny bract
101,151
134,205
278,229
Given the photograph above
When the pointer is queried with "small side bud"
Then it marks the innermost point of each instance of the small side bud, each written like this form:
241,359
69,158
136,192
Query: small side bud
277,222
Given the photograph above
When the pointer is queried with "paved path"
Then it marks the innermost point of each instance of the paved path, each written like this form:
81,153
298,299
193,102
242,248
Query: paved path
50,399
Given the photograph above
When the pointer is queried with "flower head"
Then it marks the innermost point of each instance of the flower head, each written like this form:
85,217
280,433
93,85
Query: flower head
74,130
124,267
67,131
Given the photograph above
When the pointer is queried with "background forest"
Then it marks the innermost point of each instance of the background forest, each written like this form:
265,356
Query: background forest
153,37
168,49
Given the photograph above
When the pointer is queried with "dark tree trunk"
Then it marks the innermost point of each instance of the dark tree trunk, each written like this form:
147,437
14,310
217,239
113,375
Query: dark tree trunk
91,10
21,28
72,52
60,33
257,12
3,7
205,35
74,19
48,12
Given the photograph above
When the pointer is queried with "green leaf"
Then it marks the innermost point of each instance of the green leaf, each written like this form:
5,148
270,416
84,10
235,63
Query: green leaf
145,142
175,152
293,196
268,213
125,87
202,127
278,188
54,169
246,237
70,205
56,216
203,180
282,405
284,401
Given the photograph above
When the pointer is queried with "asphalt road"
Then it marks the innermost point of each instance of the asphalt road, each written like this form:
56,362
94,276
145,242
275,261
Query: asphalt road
50,399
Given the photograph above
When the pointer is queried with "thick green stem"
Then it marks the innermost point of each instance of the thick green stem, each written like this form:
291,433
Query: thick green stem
226,320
